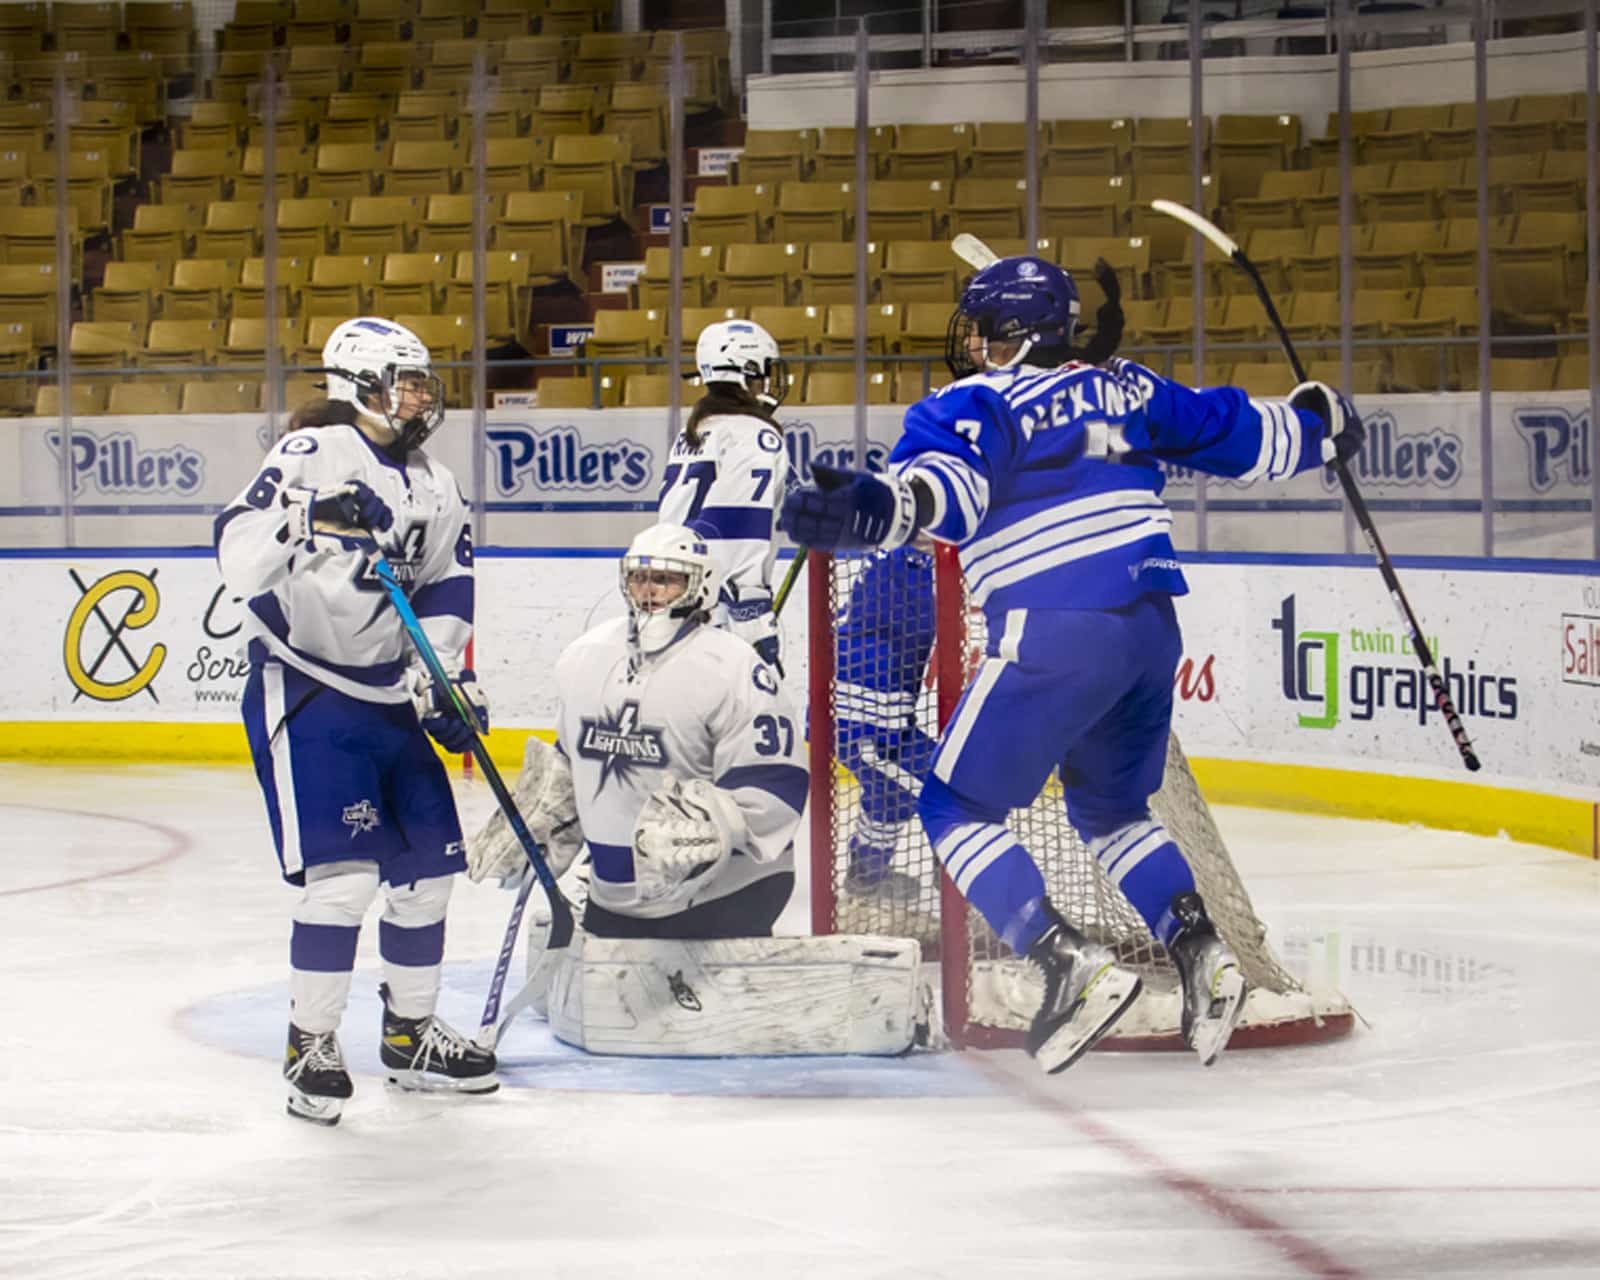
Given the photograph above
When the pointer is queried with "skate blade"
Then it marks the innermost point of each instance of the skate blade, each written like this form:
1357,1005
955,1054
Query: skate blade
428,1082
325,1111
1107,998
1211,1036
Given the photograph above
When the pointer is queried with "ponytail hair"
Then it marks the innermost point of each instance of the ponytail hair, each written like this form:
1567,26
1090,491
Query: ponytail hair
722,398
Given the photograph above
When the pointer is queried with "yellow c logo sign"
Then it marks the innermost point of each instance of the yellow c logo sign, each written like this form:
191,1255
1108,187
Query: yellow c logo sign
140,614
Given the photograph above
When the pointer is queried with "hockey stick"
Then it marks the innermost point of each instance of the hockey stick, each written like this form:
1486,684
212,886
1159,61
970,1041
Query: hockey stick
973,251
1347,481
489,1025
789,579
561,922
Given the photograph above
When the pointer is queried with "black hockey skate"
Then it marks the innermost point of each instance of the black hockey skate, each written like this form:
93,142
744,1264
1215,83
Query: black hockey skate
318,1082
427,1055
1213,984
1085,992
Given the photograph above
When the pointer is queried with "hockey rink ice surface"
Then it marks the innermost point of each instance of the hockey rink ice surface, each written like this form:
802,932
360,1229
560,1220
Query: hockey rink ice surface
142,1132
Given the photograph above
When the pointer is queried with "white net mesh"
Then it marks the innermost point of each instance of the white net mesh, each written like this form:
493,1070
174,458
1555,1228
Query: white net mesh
886,653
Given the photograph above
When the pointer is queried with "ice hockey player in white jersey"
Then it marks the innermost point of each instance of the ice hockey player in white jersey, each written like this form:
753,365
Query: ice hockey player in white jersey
1042,463
683,760
335,711
728,472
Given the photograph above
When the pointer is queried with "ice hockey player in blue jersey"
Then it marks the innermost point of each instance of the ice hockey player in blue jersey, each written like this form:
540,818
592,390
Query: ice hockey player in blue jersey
885,635
1044,468
335,711
728,471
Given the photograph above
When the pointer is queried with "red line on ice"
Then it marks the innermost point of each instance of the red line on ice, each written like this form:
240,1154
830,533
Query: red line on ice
180,844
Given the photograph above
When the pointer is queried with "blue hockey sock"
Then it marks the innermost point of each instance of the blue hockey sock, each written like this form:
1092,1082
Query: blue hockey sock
1142,860
993,871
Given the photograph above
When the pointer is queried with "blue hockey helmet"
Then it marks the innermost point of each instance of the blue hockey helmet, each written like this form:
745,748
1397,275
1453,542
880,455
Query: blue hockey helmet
1024,300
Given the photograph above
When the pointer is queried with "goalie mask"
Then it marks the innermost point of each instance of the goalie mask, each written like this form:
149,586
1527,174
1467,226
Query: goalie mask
669,581
385,371
741,352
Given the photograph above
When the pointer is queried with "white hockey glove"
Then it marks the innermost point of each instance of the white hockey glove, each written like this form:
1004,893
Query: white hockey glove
438,715
348,513
684,833
544,797
1343,434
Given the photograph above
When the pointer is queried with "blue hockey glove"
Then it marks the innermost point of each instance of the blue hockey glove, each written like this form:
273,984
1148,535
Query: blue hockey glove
850,510
439,717
1344,435
348,513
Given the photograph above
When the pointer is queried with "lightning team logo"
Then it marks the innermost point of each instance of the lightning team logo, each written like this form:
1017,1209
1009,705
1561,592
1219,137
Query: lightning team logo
621,744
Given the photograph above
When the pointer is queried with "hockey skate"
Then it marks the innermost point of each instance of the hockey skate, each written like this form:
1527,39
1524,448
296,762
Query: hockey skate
427,1055
1085,992
1213,984
318,1082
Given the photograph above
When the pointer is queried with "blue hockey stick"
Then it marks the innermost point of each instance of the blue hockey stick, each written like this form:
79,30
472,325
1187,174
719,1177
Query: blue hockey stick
561,922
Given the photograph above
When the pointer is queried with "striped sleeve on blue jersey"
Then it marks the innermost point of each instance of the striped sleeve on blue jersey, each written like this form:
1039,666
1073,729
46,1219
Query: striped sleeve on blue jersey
956,442
1220,430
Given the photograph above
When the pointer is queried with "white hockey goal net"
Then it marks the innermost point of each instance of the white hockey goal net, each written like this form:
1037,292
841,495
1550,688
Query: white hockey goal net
988,995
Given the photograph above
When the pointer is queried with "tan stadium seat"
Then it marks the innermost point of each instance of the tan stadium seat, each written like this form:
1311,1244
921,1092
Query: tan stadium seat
580,392
198,176
1324,208
509,114
412,282
28,296
1572,373
201,289
1559,188
639,112
346,169
1323,151
797,330
1375,312
566,108
422,168
620,334
289,278
919,271
913,382
428,115
1168,239
232,229
1140,316
291,172
381,224
701,264
1277,202
733,215
531,61
830,271
128,292
1311,316
441,22
652,391
695,320
930,152
1367,377
507,302
1457,262
908,210
1129,257
598,166
833,386
449,341
760,274
514,164
1271,249
387,67
181,342
341,284
926,327
1392,258
1414,193
885,322
1078,206
316,70
88,399
220,397
1243,147
447,222
307,227
809,211
1317,270
547,228
148,397
18,356
29,235
105,344
834,159
773,156
1406,134
246,340
1264,380
1000,150
1086,148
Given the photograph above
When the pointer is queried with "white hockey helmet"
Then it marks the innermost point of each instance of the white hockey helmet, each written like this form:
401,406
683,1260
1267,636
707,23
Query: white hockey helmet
671,549
372,358
740,351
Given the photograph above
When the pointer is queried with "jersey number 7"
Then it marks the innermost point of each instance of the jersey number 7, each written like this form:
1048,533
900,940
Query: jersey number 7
699,474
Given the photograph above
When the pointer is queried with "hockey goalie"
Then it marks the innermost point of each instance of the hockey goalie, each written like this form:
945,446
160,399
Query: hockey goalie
680,765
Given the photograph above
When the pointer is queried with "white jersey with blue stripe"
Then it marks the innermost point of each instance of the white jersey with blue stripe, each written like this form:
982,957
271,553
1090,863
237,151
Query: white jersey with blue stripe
728,488
1049,480
704,707
318,607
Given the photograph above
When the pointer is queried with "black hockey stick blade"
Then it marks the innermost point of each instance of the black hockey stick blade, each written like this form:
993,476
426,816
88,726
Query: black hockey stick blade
1347,482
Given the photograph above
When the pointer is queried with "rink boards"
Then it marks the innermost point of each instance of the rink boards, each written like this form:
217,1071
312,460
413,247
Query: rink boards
1296,672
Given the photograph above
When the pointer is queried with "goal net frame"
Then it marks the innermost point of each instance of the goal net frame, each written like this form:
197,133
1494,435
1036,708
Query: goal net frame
987,995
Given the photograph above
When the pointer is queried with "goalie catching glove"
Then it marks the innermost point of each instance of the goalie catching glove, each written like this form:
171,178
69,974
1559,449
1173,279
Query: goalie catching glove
684,833
1343,434
545,799
437,711
855,510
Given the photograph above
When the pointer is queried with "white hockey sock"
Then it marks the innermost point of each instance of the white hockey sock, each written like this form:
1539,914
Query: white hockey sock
411,942
322,944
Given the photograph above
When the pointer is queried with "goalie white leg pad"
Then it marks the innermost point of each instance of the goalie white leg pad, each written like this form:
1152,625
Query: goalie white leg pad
757,997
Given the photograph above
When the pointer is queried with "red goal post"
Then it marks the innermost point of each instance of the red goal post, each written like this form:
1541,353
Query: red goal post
987,994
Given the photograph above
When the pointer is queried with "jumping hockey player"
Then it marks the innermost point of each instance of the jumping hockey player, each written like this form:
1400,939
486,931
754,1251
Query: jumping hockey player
336,713
1044,469
684,762
728,471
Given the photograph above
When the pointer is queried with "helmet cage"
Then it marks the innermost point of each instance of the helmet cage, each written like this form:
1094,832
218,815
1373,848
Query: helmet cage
654,629
388,387
775,370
